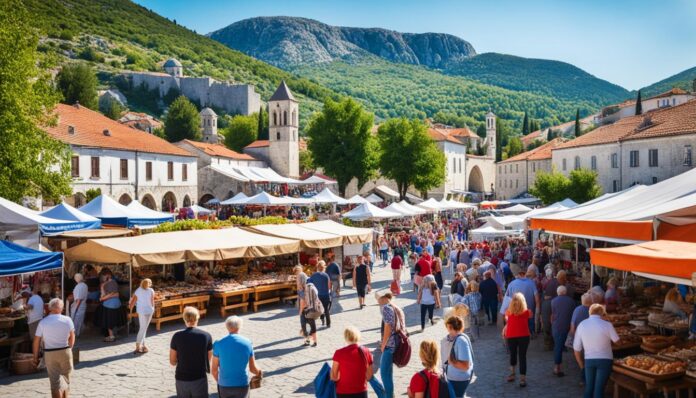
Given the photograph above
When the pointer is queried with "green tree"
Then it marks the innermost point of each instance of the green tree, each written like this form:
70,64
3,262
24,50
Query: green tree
342,143
113,109
514,147
306,162
409,156
92,194
550,187
263,124
481,130
639,105
525,124
31,162
182,121
78,83
583,185
241,132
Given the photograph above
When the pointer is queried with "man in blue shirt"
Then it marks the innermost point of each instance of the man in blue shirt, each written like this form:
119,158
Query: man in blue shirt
231,356
334,272
322,282
531,296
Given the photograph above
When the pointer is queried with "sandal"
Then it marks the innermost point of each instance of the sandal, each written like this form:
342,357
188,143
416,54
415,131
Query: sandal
523,383
109,339
511,378
144,350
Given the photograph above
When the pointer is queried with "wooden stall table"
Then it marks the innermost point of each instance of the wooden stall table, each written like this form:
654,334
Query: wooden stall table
7,324
174,308
265,294
644,389
234,299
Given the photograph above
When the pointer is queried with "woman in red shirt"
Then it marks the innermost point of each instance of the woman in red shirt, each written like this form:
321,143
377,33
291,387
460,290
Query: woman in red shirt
430,357
516,333
352,367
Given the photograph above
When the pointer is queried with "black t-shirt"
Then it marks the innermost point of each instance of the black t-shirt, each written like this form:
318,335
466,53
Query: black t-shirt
361,275
192,346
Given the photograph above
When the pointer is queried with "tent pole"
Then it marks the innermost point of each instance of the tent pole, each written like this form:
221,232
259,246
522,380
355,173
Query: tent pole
130,292
62,283
576,253
591,265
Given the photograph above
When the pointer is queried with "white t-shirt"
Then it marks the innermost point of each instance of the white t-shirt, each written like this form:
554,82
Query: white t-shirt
144,303
594,335
55,330
37,312
80,292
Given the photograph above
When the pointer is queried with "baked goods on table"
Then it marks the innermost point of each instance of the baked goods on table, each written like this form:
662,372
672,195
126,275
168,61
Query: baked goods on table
618,318
657,341
684,354
650,364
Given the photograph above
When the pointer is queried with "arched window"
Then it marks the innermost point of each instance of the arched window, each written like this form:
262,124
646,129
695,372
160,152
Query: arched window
275,118
285,118
294,118
278,136
577,162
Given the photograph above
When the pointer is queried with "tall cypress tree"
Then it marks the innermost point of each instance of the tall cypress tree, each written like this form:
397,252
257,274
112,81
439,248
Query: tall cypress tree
639,105
525,124
578,130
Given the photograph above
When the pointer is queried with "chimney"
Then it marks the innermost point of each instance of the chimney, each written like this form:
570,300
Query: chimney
71,130
77,104
107,132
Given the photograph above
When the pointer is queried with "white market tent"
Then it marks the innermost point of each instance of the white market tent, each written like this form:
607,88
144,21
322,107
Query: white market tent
368,211
266,199
494,203
112,212
525,201
462,205
412,208
385,190
318,180
357,200
149,213
198,210
326,196
665,210
413,198
431,204
308,238
351,235
506,222
516,209
487,231
398,208
372,198
236,199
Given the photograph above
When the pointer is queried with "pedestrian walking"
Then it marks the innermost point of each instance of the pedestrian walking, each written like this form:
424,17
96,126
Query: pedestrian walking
457,356
489,297
190,350
594,336
562,308
428,378
233,359
383,250
437,272
322,282
334,272
144,301
112,315
361,279
301,282
392,322
516,333
79,304
429,299
472,299
313,310
57,332
397,264
352,367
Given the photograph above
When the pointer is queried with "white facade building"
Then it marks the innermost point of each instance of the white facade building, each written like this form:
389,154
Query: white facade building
673,97
123,162
517,174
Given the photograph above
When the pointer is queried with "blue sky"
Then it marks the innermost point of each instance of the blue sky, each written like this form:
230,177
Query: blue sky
630,43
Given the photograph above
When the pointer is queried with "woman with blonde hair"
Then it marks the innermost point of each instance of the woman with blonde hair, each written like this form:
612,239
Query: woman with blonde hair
352,366
301,283
516,334
672,301
144,301
429,377
428,298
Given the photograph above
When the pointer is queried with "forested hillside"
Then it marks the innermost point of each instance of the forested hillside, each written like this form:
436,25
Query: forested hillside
683,80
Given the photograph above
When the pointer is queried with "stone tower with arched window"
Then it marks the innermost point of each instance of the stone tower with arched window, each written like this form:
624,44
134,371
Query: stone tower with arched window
490,140
209,125
283,134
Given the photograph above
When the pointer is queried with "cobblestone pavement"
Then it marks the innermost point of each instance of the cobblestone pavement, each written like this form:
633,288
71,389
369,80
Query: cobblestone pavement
113,371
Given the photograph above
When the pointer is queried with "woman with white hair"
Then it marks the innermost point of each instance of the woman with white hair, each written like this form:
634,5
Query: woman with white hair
144,300
428,298
79,305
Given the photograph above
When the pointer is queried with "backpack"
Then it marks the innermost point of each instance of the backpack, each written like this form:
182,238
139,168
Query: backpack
402,346
444,389
453,355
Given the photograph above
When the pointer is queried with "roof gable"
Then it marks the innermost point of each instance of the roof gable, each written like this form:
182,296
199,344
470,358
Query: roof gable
283,93
218,150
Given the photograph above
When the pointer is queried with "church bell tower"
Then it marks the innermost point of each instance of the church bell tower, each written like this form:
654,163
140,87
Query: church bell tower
283,134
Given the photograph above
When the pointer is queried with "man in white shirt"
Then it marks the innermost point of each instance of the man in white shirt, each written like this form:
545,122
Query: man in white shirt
79,306
595,335
58,334
35,305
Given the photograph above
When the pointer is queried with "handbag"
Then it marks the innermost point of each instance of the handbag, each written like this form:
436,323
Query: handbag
255,381
402,349
323,386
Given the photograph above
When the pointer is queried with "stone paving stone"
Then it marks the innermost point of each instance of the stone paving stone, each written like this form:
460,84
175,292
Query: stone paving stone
113,371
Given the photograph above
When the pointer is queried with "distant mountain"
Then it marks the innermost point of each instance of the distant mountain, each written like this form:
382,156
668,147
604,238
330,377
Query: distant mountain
291,41
684,80
542,76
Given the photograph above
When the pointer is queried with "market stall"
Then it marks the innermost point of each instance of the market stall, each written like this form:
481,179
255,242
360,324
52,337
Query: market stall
368,211
189,266
16,262
111,212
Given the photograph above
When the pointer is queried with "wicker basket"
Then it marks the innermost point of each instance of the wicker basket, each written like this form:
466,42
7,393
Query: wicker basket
23,366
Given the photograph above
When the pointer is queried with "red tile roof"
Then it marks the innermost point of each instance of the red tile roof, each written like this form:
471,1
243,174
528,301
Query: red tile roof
664,122
89,132
538,153
258,144
673,91
219,150
463,132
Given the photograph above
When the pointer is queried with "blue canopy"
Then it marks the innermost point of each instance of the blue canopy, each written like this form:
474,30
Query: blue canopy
15,259
66,212
112,212
14,217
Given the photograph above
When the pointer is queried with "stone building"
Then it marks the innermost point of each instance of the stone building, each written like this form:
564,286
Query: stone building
282,150
140,121
207,92
642,149
566,130
517,174
123,162
612,113
209,128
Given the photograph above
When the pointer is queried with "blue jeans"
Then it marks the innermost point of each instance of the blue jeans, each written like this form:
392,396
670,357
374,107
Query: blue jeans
386,370
559,339
384,254
459,388
490,308
597,373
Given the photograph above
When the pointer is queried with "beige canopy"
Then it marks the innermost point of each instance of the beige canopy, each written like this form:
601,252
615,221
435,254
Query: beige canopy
177,247
308,238
350,235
